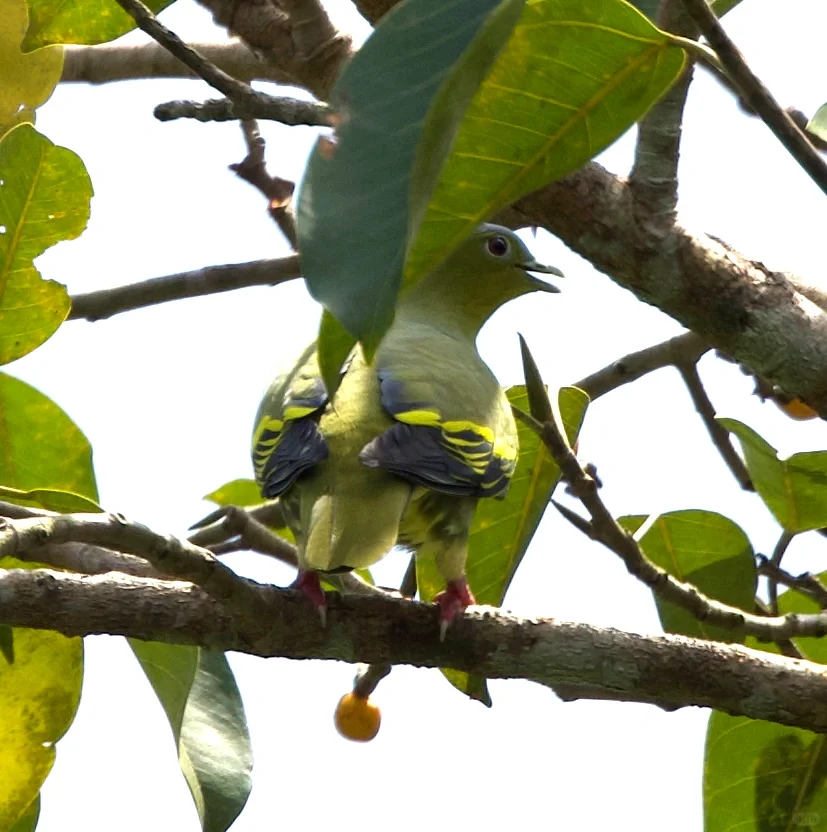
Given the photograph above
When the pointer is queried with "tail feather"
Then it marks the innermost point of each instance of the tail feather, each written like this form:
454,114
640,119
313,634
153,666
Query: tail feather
356,528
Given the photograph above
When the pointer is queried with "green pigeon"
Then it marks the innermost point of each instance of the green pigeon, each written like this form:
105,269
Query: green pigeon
411,441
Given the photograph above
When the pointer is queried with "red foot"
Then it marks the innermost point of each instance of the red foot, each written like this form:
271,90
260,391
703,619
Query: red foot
452,601
310,585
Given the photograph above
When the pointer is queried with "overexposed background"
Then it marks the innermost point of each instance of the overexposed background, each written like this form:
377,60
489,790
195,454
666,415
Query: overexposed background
167,397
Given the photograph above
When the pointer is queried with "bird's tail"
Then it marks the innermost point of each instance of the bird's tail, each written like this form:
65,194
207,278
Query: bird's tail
354,527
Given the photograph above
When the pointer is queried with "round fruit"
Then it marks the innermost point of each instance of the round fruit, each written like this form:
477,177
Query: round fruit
357,718
796,409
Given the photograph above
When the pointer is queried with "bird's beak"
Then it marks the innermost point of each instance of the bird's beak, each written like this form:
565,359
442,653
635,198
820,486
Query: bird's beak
541,285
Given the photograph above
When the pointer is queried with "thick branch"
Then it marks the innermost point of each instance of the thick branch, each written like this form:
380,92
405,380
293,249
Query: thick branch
94,306
751,313
107,62
668,671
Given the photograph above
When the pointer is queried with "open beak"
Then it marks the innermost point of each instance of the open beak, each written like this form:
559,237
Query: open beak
541,285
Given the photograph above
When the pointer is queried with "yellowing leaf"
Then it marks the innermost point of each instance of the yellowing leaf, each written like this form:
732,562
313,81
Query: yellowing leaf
26,80
44,198
39,696
80,21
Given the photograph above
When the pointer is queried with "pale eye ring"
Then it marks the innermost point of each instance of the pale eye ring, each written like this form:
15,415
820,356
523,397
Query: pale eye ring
498,246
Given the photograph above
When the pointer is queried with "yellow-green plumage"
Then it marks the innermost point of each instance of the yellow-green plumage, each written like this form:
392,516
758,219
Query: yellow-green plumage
410,442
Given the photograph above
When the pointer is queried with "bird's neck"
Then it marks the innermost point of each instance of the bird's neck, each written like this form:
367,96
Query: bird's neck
453,314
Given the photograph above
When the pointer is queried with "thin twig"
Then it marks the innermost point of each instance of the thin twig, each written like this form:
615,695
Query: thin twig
290,111
95,306
681,349
775,562
806,583
246,100
720,436
756,95
605,529
278,191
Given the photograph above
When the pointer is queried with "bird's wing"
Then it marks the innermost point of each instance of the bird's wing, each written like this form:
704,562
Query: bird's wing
287,441
457,456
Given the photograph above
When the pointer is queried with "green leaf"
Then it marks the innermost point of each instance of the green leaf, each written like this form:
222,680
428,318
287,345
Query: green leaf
795,489
40,446
573,77
818,123
27,80
62,501
334,345
721,7
44,198
399,101
28,820
198,692
539,405
39,696
502,529
79,21
707,550
763,777
241,492
7,643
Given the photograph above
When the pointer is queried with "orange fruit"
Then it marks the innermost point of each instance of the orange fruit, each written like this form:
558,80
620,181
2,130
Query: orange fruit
796,409
357,718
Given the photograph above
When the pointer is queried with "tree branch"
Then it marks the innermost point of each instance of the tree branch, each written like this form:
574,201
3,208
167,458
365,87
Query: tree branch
749,312
756,95
668,671
653,182
685,348
719,435
128,62
95,306
290,111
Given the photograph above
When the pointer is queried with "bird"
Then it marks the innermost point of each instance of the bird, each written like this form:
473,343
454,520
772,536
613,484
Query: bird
410,441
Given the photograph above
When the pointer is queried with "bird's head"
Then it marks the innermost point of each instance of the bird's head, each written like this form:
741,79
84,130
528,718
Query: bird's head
490,268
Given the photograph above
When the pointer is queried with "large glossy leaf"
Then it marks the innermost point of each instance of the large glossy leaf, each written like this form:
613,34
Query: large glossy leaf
334,345
766,777
503,529
650,7
399,102
573,77
79,21
707,550
40,446
26,80
199,695
39,696
794,489
763,777
44,198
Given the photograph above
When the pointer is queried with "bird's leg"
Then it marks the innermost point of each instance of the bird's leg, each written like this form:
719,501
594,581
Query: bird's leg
310,585
452,601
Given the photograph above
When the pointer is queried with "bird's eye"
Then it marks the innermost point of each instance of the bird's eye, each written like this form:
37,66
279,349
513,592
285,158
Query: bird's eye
498,246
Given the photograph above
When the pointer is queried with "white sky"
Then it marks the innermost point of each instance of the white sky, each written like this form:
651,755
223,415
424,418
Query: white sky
167,397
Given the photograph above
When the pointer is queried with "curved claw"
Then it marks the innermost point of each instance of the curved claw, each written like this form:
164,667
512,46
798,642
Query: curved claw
452,601
310,585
